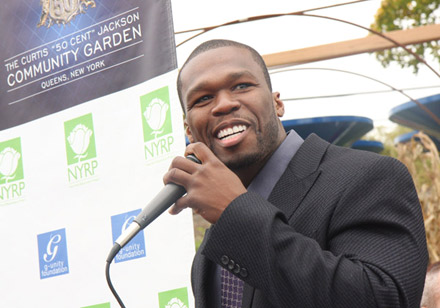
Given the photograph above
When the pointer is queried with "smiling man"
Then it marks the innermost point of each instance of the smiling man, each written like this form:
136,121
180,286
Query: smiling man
295,223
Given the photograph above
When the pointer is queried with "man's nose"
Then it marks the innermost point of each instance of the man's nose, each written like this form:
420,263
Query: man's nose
225,103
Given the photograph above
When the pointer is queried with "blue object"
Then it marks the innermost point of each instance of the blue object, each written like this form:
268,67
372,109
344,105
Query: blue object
339,130
407,137
368,145
411,115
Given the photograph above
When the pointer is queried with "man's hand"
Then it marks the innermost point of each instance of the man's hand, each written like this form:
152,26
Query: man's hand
210,186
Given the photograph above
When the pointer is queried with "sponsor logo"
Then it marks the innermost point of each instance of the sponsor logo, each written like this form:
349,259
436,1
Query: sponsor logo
177,298
62,11
156,123
104,305
11,171
136,247
52,250
80,149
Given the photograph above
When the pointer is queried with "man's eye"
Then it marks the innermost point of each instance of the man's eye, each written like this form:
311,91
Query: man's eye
242,86
202,99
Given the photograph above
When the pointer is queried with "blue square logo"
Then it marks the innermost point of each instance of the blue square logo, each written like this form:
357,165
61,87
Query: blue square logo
52,251
136,247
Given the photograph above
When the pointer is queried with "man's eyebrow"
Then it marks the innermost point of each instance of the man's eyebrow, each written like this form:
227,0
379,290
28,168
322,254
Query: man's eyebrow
237,75
231,77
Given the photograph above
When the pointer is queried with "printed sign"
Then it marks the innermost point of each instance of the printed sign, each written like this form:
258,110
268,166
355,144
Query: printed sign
72,150
177,298
156,123
11,171
80,149
52,249
67,52
136,247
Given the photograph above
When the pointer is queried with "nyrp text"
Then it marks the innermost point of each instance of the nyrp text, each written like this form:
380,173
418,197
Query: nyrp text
11,191
81,171
158,147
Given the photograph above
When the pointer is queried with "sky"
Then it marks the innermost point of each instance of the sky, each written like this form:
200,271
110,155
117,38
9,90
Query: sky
299,83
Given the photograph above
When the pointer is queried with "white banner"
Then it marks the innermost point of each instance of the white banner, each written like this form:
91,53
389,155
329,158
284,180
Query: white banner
77,165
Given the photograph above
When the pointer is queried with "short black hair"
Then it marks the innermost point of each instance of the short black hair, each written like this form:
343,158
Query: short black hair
213,44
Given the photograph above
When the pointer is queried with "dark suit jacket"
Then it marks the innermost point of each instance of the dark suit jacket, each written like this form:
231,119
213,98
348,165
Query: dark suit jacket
342,228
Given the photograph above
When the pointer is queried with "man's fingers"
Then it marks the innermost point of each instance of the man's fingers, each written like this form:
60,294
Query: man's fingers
180,171
199,150
174,210
178,206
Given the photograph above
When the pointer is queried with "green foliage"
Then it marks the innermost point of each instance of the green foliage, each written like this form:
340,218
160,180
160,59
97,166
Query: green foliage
406,14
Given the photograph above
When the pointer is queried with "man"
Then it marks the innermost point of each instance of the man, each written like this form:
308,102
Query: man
431,292
301,223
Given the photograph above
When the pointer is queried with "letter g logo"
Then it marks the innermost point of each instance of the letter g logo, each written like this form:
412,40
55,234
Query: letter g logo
127,222
52,248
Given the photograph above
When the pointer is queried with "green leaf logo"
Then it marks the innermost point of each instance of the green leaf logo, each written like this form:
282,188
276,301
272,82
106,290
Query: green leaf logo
156,114
80,140
11,168
177,298
176,303
8,163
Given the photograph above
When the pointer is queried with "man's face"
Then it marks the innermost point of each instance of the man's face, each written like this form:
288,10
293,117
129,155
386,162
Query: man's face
230,107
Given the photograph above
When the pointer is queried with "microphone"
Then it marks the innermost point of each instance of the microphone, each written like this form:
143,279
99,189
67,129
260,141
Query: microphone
168,195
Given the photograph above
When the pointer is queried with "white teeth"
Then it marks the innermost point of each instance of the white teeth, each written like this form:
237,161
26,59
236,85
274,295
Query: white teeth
228,132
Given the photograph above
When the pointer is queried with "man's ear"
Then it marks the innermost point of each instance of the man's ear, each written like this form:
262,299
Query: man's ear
278,104
188,132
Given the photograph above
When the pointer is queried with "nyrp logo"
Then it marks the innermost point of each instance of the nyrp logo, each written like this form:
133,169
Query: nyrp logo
52,251
136,247
62,11
177,298
80,149
156,123
11,171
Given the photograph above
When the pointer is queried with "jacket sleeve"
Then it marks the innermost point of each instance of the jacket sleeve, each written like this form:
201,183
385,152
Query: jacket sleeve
369,251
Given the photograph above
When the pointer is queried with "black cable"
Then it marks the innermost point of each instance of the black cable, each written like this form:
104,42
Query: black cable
112,254
166,197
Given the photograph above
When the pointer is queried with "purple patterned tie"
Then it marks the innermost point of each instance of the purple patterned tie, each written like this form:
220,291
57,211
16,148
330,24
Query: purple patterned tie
232,290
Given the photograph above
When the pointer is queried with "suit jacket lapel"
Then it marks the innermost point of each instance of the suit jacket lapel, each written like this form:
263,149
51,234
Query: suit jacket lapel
293,186
301,173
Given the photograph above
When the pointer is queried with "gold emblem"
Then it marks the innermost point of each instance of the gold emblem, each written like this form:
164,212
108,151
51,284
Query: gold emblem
62,11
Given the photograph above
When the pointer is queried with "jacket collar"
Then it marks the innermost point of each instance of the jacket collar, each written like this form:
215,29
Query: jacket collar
298,178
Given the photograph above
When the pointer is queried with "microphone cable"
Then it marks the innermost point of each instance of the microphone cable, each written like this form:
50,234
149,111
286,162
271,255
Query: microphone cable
110,285
167,196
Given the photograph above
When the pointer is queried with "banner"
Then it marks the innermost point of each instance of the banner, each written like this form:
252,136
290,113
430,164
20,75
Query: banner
89,123
59,53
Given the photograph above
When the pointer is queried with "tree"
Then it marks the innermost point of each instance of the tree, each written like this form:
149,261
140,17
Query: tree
406,14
